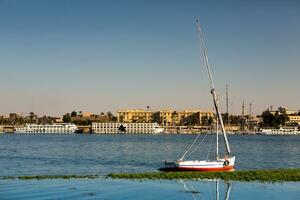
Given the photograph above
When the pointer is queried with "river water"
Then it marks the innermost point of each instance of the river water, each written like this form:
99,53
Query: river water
36,154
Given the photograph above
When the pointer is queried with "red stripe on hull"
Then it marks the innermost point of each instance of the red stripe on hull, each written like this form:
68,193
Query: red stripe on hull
227,168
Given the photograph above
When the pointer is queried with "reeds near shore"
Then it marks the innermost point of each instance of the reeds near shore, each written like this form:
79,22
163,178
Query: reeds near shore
270,175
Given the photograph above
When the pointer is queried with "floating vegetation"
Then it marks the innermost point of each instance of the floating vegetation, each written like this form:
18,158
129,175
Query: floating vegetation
41,177
268,175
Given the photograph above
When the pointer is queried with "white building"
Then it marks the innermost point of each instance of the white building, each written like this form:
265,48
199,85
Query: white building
126,128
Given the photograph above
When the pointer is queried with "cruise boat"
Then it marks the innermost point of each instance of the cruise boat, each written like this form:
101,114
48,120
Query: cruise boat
47,128
120,128
285,130
219,163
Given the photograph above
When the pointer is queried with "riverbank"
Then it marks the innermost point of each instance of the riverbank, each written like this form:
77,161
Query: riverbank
268,175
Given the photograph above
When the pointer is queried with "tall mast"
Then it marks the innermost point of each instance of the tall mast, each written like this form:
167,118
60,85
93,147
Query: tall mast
212,87
217,138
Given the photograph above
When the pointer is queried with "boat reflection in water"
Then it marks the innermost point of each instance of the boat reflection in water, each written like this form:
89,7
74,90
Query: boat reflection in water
103,188
195,194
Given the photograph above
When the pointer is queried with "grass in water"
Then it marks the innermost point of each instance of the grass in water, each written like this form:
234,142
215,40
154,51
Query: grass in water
268,175
271,175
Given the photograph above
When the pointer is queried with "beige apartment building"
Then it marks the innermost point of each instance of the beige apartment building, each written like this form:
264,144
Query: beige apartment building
134,116
294,119
176,117
168,116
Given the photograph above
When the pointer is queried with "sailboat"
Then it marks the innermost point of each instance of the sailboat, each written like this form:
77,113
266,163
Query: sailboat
224,163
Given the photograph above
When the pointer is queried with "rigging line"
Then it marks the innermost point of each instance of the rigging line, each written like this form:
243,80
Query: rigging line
211,141
182,157
213,154
197,146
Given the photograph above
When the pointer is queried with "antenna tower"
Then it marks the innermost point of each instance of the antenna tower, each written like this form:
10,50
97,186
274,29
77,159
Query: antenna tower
227,104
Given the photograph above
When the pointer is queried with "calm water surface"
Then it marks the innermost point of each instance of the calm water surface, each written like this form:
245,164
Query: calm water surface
127,189
24,154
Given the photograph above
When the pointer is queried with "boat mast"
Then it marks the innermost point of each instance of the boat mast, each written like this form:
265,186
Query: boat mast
217,156
212,87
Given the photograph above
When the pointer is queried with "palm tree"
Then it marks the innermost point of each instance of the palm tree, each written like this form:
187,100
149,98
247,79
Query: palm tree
31,116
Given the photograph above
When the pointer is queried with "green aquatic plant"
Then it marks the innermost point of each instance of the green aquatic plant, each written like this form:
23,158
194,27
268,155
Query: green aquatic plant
268,175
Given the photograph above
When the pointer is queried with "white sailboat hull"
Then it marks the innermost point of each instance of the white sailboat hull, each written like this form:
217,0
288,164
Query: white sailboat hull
201,165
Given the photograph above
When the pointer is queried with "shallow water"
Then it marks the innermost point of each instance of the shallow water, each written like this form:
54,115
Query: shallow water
130,189
23,154
29,154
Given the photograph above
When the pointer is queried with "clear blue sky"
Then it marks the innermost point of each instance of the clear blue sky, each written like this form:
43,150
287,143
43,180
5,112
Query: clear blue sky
62,55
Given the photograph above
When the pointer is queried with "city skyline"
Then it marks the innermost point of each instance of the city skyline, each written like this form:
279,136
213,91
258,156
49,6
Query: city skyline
59,56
